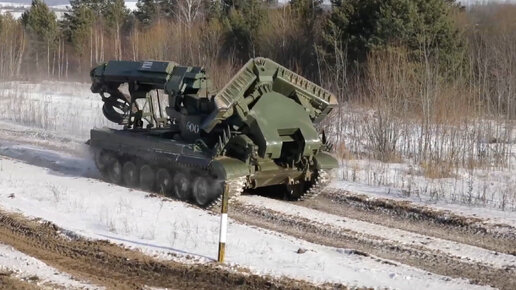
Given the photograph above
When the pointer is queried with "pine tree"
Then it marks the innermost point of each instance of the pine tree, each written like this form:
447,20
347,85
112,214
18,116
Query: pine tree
115,14
309,10
168,7
307,15
147,11
41,24
81,29
243,19
424,27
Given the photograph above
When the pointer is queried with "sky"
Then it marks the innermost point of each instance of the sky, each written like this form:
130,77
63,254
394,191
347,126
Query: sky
61,2
49,2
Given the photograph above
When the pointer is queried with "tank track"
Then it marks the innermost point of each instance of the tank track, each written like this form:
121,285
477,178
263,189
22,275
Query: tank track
323,179
236,187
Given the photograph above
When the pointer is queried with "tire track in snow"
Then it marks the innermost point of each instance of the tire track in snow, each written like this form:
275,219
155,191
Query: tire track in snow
429,253
417,218
116,267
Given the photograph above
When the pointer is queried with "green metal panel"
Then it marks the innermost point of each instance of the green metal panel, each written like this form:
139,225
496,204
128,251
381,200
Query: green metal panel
274,117
262,71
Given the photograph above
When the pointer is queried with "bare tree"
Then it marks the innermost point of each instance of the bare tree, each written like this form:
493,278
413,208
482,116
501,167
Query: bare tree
188,11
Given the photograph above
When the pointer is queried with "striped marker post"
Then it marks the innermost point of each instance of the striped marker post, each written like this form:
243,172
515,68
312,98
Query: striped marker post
223,224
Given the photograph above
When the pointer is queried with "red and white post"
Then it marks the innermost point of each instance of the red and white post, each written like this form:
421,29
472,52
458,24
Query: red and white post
223,224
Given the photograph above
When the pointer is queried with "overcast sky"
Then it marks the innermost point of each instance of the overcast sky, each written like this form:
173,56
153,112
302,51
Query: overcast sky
60,2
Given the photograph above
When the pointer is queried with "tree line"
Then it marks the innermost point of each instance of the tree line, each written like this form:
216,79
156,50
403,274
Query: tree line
302,33
439,79
339,46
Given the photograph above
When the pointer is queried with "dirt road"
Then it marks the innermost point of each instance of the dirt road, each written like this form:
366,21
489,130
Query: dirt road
9,282
485,258
105,264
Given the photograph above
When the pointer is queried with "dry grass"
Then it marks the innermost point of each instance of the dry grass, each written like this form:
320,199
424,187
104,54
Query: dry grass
436,170
342,152
431,137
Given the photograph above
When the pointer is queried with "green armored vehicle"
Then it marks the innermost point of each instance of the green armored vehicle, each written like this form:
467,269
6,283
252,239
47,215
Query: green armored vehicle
184,140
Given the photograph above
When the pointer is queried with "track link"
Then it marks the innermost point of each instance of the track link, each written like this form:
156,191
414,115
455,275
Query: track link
235,186
322,180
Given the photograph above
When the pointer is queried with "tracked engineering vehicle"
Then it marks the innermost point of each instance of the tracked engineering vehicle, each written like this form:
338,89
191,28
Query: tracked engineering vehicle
179,137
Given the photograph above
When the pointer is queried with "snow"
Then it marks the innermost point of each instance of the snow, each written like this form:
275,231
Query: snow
25,267
64,189
14,5
17,9
466,252
175,230
485,2
488,215
471,163
72,110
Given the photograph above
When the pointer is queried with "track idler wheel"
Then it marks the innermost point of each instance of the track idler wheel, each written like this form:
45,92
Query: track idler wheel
103,160
109,166
130,174
147,177
164,181
182,187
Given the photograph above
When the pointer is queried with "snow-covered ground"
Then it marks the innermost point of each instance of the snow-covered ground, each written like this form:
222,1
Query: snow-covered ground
487,215
174,230
467,252
470,163
16,9
487,188
72,110
64,189
28,268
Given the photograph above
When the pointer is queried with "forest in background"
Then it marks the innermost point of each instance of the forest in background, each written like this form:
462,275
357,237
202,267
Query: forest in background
437,81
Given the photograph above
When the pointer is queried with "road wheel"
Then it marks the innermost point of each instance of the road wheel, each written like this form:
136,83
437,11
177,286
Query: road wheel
130,174
147,177
182,186
164,181
115,172
204,191
103,160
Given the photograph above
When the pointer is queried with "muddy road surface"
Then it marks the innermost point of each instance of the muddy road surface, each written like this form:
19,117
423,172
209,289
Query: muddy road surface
457,249
108,265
